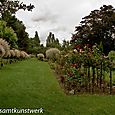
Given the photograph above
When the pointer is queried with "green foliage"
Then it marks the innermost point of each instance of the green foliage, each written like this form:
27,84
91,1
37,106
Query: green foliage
36,39
19,27
84,69
34,45
98,26
74,75
2,27
8,8
11,37
52,42
8,34
66,45
112,55
12,6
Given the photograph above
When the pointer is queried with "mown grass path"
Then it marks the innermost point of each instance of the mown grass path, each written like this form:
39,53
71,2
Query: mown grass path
32,84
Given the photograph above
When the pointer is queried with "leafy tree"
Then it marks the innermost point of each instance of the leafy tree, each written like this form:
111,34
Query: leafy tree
66,45
8,8
19,29
37,39
8,34
34,45
52,42
98,26
12,7
49,40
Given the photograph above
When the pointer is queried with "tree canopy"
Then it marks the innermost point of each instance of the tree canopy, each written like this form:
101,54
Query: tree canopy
8,34
34,45
51,41
12,7
98,26
37,39
8,8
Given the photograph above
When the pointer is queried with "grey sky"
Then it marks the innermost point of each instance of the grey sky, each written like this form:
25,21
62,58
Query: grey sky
57,16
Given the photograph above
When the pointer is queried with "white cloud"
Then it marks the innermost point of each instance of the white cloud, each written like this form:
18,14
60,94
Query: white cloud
57,16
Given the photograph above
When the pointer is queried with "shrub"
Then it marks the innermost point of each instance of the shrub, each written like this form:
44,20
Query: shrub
23,54
112,55
26,55
8,54
12,53
2,51
40,56
52,54
32,55
52,66
17,53
4,45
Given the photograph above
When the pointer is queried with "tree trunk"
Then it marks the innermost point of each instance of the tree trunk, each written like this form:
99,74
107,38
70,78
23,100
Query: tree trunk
101,74
93,79
110,80
97,78
89,77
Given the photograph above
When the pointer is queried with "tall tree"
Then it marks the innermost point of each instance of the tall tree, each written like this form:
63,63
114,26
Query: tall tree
37,39
51,41
8,8
34,44
66,45
8,34
98,26
19,29
48,40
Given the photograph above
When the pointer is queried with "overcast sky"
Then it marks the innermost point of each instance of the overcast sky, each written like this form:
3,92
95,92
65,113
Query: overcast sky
57,16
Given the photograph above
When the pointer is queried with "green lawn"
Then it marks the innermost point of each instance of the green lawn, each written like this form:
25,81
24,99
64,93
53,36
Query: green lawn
32,84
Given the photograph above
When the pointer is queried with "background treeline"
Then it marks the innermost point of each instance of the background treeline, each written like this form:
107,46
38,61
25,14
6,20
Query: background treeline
14,31
98,27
